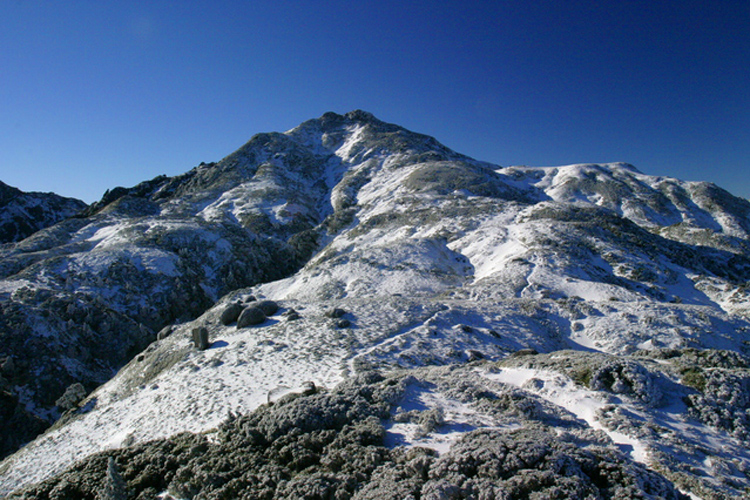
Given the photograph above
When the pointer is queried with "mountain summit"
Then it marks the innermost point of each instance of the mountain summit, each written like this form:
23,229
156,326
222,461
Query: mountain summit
352,278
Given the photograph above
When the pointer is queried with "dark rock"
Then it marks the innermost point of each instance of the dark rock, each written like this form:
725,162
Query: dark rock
343,323
165,332
26,213
253,315
200,338
292,315
309,388
524,352
230,314
474,355
269,307
335,313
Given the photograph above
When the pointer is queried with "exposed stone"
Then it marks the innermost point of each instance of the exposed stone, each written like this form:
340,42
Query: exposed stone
291,315
200,338
524,352
343,323
252,315
165,332
269,307
474,355
308,388
335,313
230,314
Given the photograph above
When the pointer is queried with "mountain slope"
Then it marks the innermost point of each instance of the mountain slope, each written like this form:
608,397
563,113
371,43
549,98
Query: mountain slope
385,250
82,298
22,214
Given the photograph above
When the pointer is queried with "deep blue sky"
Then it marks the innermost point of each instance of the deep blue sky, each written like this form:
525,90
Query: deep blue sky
96,94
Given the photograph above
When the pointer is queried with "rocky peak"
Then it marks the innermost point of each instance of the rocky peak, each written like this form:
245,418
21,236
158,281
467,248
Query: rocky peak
22,214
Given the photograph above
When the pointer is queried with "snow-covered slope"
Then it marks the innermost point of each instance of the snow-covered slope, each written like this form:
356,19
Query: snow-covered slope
386,250
22,214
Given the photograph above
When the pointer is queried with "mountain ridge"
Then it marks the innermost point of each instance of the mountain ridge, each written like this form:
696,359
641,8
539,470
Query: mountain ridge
432,258
22,214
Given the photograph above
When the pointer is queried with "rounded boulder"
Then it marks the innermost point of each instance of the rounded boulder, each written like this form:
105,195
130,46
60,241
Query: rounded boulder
253,315
231,314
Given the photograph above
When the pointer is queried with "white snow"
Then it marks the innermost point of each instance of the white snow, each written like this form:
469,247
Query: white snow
457,419
560,390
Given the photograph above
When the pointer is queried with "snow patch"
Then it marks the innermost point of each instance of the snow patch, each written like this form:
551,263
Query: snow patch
560,390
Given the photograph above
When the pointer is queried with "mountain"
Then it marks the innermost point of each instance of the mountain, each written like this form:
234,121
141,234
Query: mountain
407,316
22,214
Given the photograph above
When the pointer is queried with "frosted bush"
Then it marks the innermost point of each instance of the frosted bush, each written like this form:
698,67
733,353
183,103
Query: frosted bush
73,395
331,445
627,378
725,402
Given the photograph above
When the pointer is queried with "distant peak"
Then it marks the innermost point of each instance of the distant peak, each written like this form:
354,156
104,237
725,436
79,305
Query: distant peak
357,115
361,116
626,166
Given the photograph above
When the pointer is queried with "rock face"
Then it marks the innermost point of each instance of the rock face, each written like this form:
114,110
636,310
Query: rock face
597,305
23,214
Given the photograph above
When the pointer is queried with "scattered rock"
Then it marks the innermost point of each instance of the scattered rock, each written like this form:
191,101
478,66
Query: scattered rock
473,355
291,315
230,314
309,388
253,315
165,332
335,313
524,352
269,307
200,338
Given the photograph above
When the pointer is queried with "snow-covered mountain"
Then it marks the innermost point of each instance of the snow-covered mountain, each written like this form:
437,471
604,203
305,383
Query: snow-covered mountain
422,280
23,214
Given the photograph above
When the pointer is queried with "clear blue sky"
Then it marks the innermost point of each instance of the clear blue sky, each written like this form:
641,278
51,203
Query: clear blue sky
96,94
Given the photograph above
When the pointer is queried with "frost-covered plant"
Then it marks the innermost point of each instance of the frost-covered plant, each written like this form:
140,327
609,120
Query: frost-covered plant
331,445
628,378
73,395
114,486
725,401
